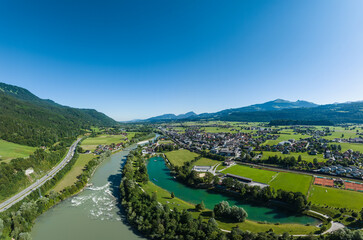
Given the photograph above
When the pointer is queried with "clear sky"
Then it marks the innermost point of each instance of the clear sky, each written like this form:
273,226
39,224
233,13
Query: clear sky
141,58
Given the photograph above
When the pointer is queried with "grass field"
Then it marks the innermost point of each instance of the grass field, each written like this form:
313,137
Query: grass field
339,131
285,137
218,130
353,146
305,156
206,162
179,157
292,182
163,197
336,197
92,142
257,175
71,177
10,151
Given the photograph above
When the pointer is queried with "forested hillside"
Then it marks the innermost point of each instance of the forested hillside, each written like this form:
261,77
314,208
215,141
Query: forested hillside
27,119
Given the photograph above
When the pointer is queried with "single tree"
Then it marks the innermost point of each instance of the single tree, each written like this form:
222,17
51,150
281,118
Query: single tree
172,195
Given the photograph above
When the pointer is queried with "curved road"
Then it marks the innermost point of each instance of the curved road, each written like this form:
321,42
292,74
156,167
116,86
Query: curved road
21,195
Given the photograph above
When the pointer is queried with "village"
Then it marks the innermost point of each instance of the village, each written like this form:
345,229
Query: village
233,145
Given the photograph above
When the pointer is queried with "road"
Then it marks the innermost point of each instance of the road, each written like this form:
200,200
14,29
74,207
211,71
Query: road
21,195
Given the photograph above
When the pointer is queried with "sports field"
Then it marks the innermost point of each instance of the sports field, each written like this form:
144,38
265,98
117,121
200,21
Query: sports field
336,197
292,182
257,175
92,142
71,177
179,157
10,151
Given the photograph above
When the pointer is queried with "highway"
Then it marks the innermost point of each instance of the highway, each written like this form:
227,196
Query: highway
21,195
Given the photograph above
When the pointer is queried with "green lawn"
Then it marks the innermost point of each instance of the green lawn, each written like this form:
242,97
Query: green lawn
257,175
163,197
206,162
92,142
336,197
305,156
179,157
292,182
10,151
71,177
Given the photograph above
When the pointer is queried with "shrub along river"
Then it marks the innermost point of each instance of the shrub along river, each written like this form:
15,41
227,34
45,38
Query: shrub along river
96,213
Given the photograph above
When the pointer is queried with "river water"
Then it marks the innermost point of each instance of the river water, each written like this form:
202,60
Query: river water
96,214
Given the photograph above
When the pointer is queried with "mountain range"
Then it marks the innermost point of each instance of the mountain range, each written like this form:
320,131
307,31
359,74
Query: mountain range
30,120
279,109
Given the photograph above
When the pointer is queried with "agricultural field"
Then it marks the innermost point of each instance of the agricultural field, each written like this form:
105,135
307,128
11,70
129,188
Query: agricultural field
336,197
179,157
92,142
9,150
207,162
257,175
292,182
305,156
71,177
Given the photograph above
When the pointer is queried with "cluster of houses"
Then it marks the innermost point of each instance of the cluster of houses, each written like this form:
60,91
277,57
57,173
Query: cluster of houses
223,144
351,171
103,148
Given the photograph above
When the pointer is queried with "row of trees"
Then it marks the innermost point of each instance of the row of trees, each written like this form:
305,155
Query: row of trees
296,200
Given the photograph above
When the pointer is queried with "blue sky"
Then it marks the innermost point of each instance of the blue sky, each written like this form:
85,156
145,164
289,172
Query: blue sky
141,58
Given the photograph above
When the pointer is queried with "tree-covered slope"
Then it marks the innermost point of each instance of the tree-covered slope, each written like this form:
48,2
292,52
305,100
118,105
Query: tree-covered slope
29,120
335,113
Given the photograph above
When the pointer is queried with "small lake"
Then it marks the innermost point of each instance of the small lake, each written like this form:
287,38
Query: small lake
159,171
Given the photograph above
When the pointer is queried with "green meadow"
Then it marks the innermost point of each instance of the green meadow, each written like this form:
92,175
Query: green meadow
92,142
179,157
9,150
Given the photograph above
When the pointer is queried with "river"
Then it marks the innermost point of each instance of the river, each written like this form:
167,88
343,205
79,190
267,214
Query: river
96,213
93,214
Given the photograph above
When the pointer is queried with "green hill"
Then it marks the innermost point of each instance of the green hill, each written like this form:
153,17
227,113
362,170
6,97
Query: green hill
29,120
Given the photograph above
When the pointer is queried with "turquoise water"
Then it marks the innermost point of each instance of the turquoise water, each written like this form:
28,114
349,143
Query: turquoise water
159,174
